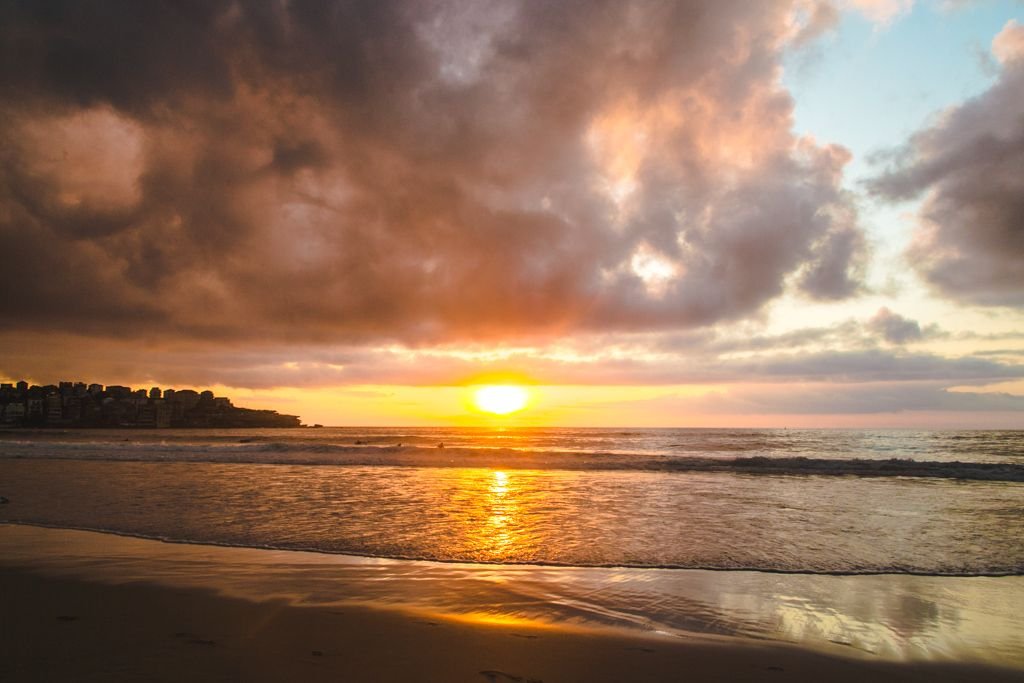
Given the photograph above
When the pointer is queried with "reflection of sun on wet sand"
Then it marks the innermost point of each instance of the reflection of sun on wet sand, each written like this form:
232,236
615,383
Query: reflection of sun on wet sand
148,632
131,611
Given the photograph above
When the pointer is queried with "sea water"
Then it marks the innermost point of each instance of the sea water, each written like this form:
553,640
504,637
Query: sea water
809,501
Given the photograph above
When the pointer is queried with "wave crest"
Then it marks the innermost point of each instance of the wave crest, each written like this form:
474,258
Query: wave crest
411,455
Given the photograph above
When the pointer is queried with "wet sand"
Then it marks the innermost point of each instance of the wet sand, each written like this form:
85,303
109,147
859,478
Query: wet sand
80,620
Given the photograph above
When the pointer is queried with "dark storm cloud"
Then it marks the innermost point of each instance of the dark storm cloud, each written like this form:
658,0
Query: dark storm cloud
414,171
970,241
133,55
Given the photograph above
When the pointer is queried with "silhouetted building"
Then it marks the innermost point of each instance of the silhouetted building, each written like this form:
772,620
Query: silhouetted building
164,415
14,413
117,391
54,407
34,408
146,416
187,398
73,410
75,404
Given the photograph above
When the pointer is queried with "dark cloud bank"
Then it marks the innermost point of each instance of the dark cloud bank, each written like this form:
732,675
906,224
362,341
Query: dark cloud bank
849,353
414,171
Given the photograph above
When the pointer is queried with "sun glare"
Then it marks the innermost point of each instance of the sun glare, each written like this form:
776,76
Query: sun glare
500,399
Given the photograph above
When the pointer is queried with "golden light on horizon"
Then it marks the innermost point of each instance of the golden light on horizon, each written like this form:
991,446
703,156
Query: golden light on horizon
501,399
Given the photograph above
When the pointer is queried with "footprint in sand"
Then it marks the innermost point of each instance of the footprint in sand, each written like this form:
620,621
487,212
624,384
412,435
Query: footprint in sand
523,635
67,617
640,649
193,639
494,676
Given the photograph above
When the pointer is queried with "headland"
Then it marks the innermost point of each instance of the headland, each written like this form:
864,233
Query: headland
77,404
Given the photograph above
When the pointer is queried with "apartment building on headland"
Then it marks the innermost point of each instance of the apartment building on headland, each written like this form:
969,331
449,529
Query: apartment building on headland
76,404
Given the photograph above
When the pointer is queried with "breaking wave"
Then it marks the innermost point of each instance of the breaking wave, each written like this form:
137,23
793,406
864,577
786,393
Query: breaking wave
400,454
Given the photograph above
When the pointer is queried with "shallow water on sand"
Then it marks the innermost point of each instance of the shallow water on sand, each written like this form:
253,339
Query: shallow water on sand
897,617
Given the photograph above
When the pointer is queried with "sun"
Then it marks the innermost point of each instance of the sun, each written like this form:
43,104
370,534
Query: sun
501,399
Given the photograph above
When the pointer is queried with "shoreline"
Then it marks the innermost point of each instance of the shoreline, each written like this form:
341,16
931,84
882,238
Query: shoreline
91,605
355,556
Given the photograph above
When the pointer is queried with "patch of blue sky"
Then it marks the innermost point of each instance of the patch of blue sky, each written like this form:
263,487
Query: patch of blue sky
869,87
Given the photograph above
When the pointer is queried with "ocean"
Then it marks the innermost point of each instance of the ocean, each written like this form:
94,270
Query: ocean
805,501
907,544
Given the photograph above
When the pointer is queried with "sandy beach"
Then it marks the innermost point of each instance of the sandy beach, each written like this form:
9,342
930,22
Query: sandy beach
114,616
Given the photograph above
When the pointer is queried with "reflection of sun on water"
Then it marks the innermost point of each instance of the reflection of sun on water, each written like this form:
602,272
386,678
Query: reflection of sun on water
486,513
502,514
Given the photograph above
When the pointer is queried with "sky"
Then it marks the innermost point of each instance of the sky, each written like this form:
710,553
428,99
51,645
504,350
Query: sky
779,214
